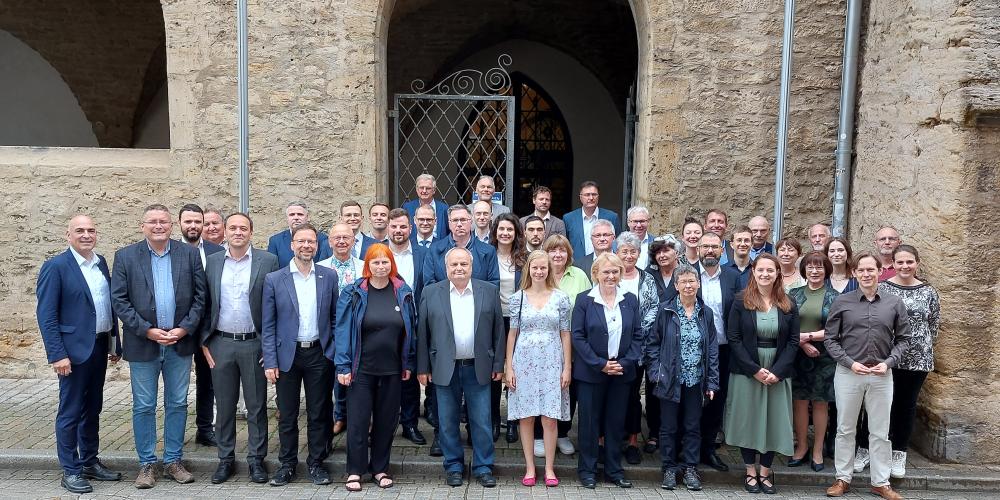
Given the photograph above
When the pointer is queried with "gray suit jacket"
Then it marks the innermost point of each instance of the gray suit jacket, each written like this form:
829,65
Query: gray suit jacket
554,225
261,263
436,333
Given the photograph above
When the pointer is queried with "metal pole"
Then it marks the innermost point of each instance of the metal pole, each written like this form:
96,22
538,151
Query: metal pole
786,82
845,129
241,79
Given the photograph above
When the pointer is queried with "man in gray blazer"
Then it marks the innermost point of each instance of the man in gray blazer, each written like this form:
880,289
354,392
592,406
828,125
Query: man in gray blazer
230,341
460,349
158,292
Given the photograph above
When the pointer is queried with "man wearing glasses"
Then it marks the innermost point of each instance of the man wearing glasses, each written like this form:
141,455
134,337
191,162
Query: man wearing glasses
484,256
886,240
424,220
580,222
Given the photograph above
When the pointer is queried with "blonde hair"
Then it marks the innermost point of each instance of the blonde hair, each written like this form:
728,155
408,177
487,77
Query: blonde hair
606,257
550,279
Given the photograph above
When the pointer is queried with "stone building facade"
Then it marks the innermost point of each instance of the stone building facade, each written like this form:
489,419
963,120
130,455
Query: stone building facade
323,72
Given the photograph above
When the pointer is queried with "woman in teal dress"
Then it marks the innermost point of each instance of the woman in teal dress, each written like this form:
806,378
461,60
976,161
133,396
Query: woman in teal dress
814,368
763,334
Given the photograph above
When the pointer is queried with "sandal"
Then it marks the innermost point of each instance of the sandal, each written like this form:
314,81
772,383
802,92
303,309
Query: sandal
353,484
380,480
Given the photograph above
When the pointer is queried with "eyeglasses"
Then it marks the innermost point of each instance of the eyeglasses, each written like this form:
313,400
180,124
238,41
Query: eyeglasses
461,221
424,220
711,247
304,242
588,195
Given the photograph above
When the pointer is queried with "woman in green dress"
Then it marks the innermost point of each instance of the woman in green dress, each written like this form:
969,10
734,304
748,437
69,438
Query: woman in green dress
763,334
814,368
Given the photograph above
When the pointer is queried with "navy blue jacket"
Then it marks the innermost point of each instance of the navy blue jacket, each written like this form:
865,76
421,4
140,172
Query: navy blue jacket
663,352
65,310
440,211
665,292
280,314
590,339
730,281
484,261
280,245
351,308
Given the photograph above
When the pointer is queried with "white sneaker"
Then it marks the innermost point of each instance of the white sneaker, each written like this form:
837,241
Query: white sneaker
898,464
565,446
861,459
539,448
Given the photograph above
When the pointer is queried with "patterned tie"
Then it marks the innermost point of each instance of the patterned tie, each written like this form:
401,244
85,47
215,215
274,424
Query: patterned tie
425,243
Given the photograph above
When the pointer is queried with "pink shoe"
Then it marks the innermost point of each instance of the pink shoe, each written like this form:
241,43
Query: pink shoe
552,482
528,481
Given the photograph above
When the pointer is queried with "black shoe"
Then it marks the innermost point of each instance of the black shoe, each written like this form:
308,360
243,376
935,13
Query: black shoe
512,433
767,487
751,488
691,479
436,448
713,461
816,466
632,455
223,472
284,475
621,482
454,479
669,480
76,484
258,473
588,482
496,432
319,475
486,480
414,435
99,472
432,419
206,438
651,446
797,462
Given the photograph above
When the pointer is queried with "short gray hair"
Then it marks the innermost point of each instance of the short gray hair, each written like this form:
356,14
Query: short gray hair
453,249
636,209
457,207
425,177
628,239
604,222
683,268
297,203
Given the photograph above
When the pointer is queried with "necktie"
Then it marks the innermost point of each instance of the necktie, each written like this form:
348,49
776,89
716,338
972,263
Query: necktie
425,243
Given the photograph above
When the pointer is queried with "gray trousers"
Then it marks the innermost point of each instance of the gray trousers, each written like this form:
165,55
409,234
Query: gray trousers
238,362
875,391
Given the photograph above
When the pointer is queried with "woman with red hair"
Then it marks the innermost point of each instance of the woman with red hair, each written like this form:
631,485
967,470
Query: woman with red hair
375,353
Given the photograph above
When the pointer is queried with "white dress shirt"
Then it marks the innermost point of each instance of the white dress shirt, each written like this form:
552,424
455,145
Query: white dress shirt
305,293
404,264
613,318
588,227
100,291
234,295
201,251
463,319
711,295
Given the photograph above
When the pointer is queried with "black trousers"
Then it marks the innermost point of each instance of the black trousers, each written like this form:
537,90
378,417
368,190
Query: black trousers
204,393
906,385
409,405
601,414
375,399
237,363
633,418
81,399
712,413
314,371
681,419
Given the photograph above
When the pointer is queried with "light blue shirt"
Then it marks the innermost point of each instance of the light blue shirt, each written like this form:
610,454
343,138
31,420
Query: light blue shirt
99,290
163,288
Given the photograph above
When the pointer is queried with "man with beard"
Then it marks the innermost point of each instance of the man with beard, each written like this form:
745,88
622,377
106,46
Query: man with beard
541,197
819,234
886,240
534,232
192,222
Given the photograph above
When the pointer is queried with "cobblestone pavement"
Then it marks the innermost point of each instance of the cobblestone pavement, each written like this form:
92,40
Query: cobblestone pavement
45,484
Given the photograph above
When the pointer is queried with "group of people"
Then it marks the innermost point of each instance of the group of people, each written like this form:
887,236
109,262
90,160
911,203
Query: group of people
724,331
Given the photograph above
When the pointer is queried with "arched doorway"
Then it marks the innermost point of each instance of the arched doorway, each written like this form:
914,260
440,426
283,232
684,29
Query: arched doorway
544,151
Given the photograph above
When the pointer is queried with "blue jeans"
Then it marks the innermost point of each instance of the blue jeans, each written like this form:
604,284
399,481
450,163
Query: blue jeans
145,385
449,402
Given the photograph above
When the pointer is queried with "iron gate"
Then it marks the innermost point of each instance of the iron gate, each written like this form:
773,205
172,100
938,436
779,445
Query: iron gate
457,130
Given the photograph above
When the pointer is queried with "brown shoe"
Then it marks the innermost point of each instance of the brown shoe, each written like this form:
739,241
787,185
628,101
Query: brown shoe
886,492
839,488
147,477
177,472
339,426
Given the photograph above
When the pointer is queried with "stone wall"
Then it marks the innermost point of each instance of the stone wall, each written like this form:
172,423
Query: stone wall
925,166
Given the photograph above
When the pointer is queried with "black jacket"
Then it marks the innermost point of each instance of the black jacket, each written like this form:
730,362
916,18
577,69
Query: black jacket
663,352
741,331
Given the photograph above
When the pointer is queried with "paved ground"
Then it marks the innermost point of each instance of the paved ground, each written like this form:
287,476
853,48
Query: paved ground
27,412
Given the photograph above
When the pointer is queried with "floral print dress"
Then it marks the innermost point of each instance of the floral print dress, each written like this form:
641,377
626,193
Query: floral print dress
538,358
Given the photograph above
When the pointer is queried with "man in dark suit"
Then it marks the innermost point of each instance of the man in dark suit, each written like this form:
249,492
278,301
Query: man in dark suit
760,231
280,244
719,287
460,349
80,333
192,221
602,238
424,221
484,256
426,190
158,292
230,343
580,222
299,310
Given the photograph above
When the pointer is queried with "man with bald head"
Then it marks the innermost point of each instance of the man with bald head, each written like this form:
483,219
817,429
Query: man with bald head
80,334
886,240
484,192
819,234
760,231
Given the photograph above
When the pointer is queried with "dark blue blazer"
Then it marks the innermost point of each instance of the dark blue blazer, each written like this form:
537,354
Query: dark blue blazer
590,339
419,256
484,261
366,242
574,228
281,315
440,211
731,286
65,310
666,293
135,304
280,245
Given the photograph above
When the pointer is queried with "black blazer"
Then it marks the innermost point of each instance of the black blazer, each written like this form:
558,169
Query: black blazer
741,331
730,281
133,301
665,292
590,339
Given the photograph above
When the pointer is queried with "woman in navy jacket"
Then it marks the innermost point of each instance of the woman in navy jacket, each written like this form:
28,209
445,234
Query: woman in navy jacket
375,353
682,360
607,345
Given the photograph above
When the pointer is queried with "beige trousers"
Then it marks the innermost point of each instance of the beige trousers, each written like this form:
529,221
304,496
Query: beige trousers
875,391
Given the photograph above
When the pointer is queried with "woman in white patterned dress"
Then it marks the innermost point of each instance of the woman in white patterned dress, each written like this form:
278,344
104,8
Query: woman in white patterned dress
538,361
